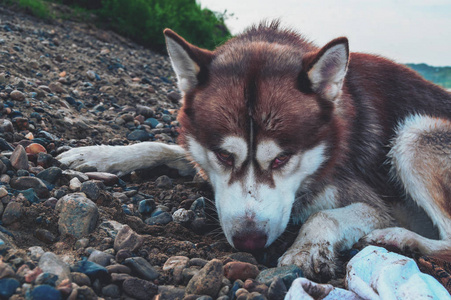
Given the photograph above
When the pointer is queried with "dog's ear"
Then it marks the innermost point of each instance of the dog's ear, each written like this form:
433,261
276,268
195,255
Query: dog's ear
190,63
326,68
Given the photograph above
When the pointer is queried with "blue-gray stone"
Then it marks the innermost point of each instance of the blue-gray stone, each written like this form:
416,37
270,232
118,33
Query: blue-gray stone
161,219
198,207
45,292
138,135
47,278
51,174
286,273
30,195
77,215
100,258
146,206
142,268
7,287
157,211
93,270
152,122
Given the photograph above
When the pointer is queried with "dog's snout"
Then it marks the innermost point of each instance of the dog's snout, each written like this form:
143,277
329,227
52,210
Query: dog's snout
250,241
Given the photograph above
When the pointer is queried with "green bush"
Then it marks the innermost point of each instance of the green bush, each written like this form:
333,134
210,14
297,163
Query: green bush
144,21
36,8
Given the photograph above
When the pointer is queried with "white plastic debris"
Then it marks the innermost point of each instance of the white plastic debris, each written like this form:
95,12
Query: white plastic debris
375,273
304,289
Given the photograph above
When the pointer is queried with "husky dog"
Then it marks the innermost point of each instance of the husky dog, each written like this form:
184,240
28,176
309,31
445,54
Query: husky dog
341,142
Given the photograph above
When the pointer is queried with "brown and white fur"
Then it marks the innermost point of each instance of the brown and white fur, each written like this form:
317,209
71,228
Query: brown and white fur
342,142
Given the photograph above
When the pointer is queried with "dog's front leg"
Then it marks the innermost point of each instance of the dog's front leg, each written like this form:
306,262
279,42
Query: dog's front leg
121,160
327,232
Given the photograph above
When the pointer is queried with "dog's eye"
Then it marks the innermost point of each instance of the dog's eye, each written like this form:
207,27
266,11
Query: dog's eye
280,160
225,157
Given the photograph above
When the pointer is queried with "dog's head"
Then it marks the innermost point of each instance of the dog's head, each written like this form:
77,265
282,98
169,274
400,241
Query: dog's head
258,119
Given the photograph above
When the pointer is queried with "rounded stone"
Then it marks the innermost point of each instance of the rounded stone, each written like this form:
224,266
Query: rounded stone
12,213
208,281
19,159
77,215
45,292
8,287
17,95
142,268
51,263
139,288
240,270
127,240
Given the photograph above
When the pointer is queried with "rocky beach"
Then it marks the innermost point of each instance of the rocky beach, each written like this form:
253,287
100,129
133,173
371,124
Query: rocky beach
77,233
83,234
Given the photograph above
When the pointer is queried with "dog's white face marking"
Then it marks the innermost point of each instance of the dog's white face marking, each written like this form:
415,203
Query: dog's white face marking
248,200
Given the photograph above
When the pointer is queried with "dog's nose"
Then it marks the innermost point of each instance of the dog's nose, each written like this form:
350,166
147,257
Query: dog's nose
249,241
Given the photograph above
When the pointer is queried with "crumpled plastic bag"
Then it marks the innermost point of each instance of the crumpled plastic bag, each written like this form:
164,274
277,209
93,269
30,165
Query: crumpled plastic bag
375,274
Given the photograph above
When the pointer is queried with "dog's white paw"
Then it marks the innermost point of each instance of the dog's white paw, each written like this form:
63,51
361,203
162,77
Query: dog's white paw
100,157
317,261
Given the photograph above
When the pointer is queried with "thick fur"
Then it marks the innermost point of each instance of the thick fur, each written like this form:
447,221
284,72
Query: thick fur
342,142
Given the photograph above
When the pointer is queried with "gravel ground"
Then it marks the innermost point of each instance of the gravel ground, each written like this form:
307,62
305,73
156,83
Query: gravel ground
83,234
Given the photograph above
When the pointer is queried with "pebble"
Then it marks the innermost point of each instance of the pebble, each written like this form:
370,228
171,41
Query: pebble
138,135
6,270
175,262
207,281
30,182
100,257
7,287
174,96
80,278
286,273
127,239
163,182
139,288
35,148
51,263
93,270
12,213
145,207
75,184
183,216
77,215
19,159
111,290
170,292
45,236
107,178
45,292
91,188
3,192
17,95
51,174
240,270
117,268
161,219
142,268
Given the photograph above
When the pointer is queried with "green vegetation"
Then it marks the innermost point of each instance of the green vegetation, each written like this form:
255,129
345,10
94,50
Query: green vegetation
438,75
38,8
142,20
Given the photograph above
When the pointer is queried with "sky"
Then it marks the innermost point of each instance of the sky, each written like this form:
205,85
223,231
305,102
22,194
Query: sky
407,31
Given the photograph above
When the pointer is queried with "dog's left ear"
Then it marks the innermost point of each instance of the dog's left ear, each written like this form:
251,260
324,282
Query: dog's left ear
188,61
326,68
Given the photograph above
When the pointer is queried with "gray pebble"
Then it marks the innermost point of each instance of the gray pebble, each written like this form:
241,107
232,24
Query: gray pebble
142,268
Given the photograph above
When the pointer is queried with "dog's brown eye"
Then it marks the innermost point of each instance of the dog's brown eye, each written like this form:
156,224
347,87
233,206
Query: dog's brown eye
280,160
225,157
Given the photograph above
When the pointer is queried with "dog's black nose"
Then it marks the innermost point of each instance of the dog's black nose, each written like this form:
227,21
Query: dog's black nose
250,241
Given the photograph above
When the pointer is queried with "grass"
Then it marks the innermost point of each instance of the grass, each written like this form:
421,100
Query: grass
37,8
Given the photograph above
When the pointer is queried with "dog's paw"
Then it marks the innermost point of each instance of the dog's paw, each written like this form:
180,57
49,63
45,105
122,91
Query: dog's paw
317,261
100,157
395,239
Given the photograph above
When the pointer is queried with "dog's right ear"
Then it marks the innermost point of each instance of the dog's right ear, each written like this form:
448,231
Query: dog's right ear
189,62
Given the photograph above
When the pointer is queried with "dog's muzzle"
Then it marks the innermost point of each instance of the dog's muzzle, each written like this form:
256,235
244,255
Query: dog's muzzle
250,240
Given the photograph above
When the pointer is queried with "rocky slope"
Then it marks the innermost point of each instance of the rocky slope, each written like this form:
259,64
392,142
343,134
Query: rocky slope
84,234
